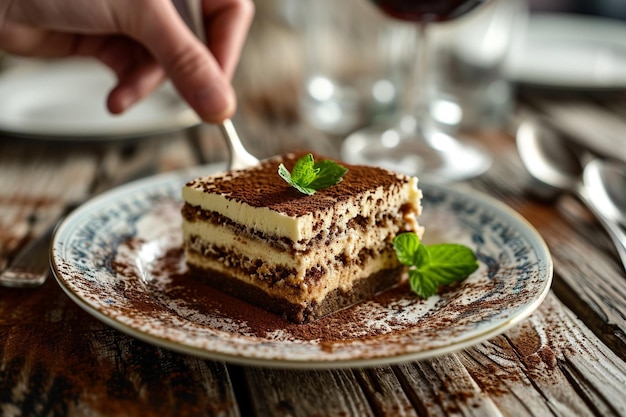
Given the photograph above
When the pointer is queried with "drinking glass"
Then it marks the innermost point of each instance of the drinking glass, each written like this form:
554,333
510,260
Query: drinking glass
412,143
471,90
348,71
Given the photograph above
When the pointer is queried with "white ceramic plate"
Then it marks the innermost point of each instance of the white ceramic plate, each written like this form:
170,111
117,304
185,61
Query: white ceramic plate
119,257
66,100
570,51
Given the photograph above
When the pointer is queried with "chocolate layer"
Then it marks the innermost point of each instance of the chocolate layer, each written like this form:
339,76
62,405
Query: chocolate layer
296,313
193,214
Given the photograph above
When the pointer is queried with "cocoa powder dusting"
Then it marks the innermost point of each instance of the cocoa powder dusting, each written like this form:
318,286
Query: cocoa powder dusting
261,187
209,300
148,286
330,331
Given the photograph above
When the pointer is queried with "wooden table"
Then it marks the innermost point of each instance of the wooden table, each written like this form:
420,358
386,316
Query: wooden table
568,358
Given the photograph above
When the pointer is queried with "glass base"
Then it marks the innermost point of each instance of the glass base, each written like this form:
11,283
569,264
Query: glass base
436,157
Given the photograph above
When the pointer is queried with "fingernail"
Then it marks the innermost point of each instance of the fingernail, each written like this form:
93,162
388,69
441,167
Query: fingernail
127,100
215,102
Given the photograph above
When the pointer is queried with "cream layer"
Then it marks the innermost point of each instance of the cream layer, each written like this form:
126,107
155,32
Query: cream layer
305,227
346,244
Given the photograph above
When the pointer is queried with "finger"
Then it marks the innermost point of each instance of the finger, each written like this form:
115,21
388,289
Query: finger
138,74
227,26
134,85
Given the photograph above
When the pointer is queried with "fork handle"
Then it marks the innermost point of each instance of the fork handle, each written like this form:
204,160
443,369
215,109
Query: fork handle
31,266
240,158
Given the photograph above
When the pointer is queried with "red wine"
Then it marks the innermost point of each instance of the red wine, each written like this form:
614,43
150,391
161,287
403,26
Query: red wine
426,10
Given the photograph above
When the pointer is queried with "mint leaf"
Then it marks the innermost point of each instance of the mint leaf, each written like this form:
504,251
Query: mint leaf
449,261
433,265
421,284
329,173
309,176
304,171
406,246
286,175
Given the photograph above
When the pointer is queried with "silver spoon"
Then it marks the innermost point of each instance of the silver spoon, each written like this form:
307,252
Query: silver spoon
558,168
606,182
554,167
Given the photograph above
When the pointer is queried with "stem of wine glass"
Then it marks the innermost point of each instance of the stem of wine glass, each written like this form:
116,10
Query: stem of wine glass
415,103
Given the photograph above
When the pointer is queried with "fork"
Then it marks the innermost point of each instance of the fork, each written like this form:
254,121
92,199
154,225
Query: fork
240,158
31,266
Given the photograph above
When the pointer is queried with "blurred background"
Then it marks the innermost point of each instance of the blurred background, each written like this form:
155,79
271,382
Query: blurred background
309,49
615,9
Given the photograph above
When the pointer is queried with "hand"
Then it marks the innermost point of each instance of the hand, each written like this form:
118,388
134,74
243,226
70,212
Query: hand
142,41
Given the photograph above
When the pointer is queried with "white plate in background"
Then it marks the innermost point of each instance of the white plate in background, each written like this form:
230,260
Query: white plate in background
66,100
570,51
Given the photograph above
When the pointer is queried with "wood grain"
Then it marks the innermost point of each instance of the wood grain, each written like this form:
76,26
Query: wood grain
305,393
549,364
34,190
57,360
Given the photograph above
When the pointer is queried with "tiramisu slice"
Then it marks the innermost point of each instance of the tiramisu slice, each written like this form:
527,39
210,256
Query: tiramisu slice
252,235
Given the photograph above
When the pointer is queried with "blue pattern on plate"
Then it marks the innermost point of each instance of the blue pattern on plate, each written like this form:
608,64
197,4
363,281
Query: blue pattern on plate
514,277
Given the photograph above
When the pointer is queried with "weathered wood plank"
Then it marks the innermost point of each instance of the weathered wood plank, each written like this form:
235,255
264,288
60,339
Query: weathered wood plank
385,394
15,207
549,364
275,392
35,188
442,386
59,361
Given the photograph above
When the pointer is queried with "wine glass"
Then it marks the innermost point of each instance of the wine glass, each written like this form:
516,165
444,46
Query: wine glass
411,143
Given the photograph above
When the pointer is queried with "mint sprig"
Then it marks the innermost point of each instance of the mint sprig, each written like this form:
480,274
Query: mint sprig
433,265
309,176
